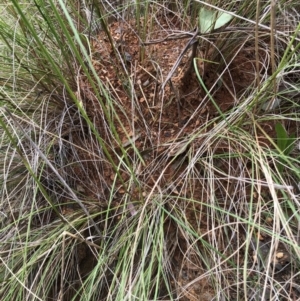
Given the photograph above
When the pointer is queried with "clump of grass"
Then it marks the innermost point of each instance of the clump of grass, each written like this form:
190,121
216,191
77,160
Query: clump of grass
88,215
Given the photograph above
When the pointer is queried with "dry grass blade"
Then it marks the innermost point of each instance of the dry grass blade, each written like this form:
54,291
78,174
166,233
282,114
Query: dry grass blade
111,190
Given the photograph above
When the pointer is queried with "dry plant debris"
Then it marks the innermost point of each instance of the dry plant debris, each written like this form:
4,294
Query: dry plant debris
161,121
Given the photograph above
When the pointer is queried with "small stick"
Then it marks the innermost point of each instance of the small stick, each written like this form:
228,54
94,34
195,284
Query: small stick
170,37
177,96
191,42
190,67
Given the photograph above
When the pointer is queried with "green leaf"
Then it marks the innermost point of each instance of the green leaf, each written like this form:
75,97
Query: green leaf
290,143
282,136
209,20
284,142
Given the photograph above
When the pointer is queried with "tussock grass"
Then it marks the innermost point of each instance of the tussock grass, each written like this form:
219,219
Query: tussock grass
86,214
